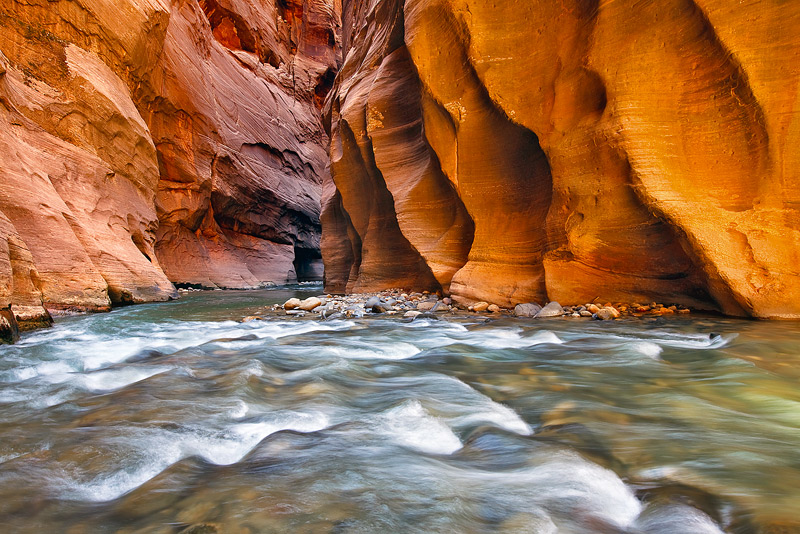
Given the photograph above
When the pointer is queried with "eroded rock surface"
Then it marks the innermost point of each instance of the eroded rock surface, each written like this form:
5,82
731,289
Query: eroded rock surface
145,142
233,106
575,150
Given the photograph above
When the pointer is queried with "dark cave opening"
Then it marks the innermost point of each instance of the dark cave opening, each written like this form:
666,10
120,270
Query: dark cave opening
308,264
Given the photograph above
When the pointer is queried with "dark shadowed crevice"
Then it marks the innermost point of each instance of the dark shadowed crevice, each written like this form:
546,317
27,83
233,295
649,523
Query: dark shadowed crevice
323,87
138,240
228,27
308,264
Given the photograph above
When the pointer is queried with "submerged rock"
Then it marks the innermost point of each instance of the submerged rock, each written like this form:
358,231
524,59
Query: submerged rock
201,528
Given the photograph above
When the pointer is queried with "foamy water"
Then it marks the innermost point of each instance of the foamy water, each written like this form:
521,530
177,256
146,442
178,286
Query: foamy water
178,414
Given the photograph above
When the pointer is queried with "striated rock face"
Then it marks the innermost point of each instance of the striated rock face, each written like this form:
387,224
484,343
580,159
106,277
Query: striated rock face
233,105
569,150
145,142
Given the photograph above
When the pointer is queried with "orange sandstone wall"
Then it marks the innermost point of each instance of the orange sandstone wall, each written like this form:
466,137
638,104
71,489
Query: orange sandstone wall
145,142
569,150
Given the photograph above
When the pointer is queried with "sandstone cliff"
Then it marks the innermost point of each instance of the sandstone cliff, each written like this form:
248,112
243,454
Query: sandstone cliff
145,142
569,150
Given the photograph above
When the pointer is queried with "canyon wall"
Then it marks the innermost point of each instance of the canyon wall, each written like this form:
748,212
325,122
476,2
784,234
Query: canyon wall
568,150
146,142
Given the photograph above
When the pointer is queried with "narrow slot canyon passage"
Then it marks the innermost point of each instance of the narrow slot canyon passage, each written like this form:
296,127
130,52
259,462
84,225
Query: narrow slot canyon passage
413,266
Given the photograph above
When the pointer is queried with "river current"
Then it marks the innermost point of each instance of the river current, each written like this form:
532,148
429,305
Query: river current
177,417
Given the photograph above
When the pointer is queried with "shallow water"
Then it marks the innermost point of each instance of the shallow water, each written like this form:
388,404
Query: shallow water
160,417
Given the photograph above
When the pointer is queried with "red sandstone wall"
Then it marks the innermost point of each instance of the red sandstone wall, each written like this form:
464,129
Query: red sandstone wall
145,142
524,151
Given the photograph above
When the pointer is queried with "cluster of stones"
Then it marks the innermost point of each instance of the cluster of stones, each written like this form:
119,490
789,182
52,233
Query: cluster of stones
390,302
414,304
602,312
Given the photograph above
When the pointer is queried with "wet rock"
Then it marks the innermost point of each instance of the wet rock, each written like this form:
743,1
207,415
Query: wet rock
585,313
553,309
528,309
494,308
9,332
251,318
354,311
32,317
427,305
310,303
447,301
593,308
296,313
377,305
480,307
292,304
412,314
605,314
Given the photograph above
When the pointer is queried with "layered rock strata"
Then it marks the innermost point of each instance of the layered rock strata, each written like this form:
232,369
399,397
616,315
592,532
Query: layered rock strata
145,142
573,150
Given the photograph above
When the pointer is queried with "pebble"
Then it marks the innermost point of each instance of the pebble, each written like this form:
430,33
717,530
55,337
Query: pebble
309,304
605,314
553,309
480,307
412,314
426,305
378,305
529,309
292,304
394,302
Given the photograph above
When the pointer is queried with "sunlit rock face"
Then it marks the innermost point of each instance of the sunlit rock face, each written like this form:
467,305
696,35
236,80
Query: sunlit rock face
145,142
569,150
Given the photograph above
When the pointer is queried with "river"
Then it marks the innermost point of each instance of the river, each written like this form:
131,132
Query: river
175,417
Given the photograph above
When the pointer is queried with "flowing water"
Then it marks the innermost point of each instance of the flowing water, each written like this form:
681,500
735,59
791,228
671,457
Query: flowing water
170,417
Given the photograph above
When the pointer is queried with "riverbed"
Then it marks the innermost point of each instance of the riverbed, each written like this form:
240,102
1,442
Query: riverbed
174,417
